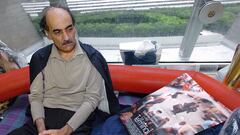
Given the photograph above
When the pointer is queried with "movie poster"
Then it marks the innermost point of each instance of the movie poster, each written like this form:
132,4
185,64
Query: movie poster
182,107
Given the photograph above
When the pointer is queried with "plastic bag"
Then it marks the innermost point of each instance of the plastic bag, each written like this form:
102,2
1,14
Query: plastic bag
18,58
232,125
149,50
140,52
145,47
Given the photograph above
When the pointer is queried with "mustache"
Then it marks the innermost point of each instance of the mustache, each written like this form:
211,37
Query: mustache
67,42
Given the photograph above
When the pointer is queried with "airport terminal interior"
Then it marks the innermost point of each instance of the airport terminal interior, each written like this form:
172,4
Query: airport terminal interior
190,35
198,35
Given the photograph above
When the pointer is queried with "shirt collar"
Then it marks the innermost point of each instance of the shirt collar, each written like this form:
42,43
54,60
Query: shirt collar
79,50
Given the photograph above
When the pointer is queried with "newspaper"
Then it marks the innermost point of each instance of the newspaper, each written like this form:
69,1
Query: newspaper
180,108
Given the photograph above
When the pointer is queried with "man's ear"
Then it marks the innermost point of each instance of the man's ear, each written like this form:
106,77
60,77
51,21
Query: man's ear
47,35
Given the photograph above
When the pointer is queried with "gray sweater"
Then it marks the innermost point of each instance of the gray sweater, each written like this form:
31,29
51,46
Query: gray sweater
72,85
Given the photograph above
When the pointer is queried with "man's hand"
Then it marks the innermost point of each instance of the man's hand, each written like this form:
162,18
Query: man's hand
66,130
40,125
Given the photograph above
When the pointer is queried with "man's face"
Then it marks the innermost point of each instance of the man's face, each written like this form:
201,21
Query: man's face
61,30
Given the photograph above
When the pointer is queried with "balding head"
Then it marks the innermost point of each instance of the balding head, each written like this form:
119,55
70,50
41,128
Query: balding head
43,22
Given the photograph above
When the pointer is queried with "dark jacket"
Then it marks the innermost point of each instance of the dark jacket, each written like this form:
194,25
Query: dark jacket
40,58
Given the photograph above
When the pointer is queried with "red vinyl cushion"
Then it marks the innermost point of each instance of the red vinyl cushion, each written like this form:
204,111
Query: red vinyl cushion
136,79
14,83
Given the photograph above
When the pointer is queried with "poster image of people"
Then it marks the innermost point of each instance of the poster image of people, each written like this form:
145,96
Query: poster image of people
180,108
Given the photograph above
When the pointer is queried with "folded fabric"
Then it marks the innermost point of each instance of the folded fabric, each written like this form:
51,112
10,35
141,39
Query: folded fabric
14,116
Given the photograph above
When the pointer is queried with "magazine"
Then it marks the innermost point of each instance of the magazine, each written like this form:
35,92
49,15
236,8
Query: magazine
180,108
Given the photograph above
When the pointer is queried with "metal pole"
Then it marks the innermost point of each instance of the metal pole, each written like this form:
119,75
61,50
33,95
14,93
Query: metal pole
192,31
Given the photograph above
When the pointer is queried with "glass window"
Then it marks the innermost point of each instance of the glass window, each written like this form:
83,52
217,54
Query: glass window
133,23
105,24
